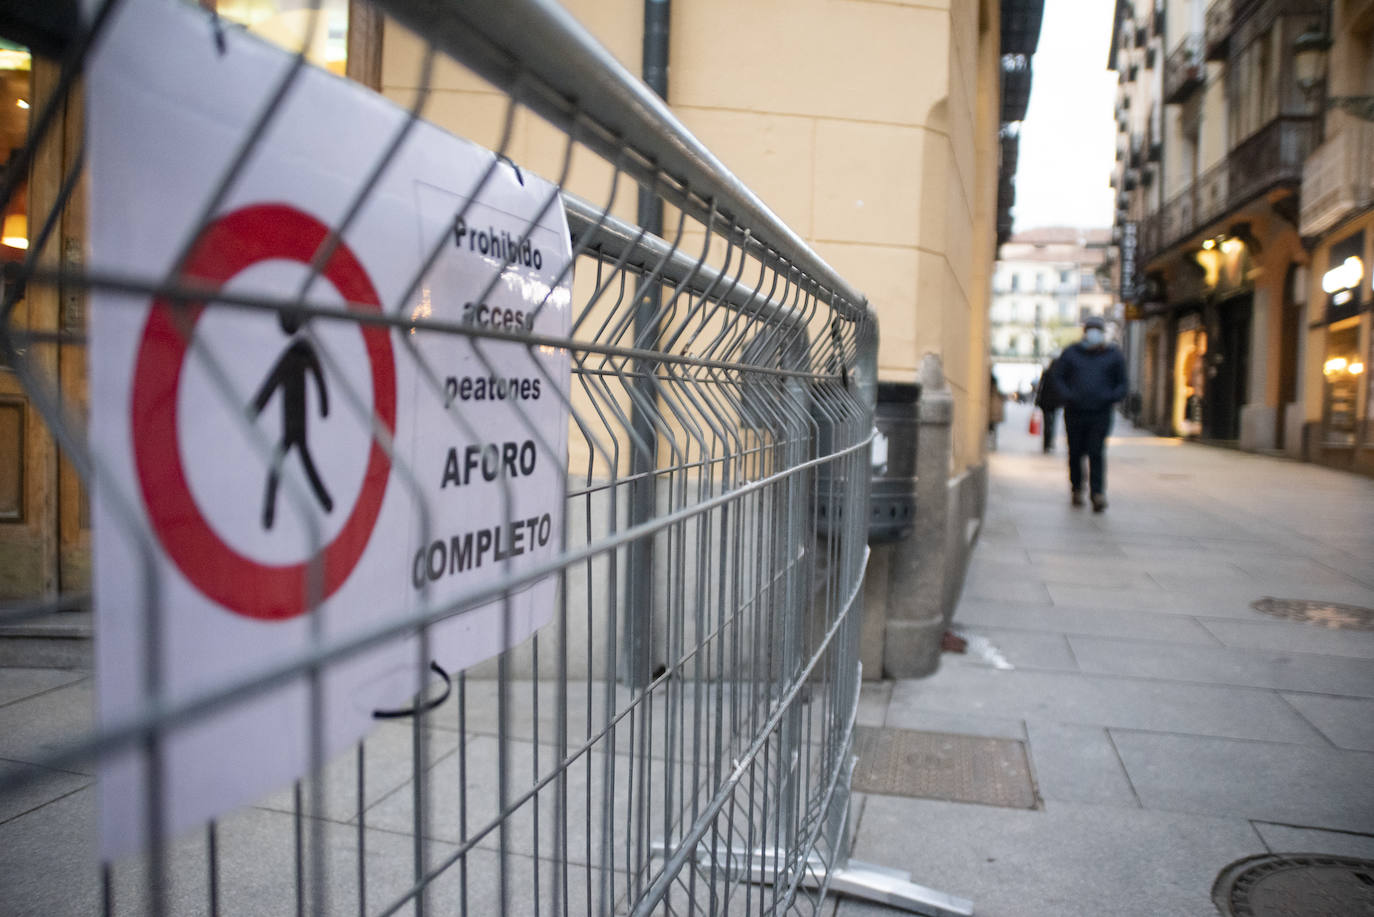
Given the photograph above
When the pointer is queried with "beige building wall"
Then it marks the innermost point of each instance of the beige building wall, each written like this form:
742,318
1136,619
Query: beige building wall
869,127
1212,142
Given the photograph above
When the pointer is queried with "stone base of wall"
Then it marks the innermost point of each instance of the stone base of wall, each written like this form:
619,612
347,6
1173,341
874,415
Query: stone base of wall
1293,445
1258,427
908,605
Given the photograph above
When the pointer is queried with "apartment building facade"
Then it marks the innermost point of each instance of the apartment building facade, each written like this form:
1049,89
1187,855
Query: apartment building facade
1223,146
1045,282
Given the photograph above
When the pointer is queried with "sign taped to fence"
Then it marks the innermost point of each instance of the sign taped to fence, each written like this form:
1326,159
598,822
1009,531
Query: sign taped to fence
273,482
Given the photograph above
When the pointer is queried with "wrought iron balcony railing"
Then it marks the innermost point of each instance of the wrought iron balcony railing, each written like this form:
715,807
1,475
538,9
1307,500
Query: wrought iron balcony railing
1217,30
1272,157
1016,86
1185,71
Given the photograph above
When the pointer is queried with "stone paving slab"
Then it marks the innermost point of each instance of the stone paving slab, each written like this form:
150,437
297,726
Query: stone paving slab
36,727
1068,620
46,786
874,697
1161,706
997,727
1303,570
388,763
1223,666
1129,565
1262,632
256,870
1078,764
1020,591
1069,860
1097,597
1356,564
1189,553
460,808
1287,839
1348,722
17,684
1251,588
1298,785
1107,575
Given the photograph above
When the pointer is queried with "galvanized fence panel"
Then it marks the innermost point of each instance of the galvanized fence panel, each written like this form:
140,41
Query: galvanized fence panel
678,738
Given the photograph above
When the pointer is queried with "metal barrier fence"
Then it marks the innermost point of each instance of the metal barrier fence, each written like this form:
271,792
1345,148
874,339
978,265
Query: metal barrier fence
675,735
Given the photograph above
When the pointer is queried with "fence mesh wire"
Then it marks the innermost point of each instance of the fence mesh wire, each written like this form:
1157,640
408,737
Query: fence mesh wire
677,739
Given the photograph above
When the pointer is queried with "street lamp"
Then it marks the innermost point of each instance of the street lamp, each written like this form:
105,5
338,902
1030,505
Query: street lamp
1309,68
1309,58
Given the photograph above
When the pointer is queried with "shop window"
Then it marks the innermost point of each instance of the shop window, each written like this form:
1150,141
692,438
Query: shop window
16,95
1190,377
16,92
1343,372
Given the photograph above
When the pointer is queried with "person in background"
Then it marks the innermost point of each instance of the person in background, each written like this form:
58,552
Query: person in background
996,408
1089,377
1047,400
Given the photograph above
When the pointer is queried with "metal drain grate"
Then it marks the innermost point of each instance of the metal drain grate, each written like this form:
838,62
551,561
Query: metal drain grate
1328,614
937,765
1296,885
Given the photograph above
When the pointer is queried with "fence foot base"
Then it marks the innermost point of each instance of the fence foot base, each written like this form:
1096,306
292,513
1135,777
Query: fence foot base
855,878
894,888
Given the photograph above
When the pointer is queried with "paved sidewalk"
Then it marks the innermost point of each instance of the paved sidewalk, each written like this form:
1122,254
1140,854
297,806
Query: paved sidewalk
1171,729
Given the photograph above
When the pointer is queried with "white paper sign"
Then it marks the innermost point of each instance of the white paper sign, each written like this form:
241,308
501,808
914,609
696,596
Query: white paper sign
240,472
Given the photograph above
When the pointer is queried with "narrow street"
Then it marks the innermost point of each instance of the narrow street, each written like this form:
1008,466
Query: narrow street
1170,728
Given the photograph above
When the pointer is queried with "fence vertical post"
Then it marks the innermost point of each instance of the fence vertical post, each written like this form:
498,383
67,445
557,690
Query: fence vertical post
639,611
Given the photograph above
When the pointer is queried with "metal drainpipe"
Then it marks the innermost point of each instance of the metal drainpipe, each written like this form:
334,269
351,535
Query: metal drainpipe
639,663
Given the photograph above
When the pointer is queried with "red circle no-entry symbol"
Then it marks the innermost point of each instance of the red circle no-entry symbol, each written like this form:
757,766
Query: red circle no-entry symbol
230,244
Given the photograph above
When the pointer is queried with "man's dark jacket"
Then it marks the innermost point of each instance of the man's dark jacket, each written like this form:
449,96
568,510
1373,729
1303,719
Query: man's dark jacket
1089,380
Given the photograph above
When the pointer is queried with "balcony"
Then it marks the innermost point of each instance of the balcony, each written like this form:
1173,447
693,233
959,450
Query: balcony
1011,153
1217,31
1338,178
1185,71
1213,197
1016,86
1271,157
1021,25
1006,194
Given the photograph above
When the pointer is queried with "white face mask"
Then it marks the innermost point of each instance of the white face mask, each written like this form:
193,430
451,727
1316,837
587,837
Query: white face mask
1094,337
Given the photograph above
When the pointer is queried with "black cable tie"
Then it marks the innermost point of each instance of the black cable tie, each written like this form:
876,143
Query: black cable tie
427,706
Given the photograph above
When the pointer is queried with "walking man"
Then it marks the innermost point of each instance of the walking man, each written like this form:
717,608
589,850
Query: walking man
1089,377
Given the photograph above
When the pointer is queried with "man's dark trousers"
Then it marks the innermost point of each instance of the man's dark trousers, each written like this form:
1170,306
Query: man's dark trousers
1087,432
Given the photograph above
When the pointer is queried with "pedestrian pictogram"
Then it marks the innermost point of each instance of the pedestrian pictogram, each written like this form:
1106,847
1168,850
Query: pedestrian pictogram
289,375
231,244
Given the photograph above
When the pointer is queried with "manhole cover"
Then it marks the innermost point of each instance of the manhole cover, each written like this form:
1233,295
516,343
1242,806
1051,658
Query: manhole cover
937,765
1327,614
1296,885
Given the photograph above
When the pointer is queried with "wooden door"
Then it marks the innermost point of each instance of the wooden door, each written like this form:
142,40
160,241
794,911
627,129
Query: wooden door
44,523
